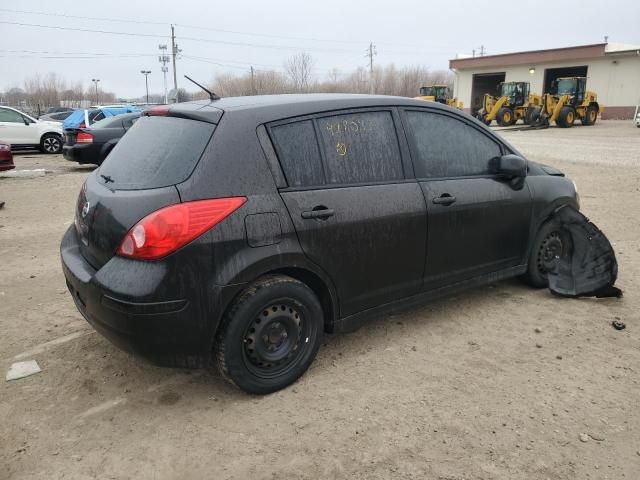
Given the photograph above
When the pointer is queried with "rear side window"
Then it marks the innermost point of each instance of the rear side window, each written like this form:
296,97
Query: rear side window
298,153
360,147
448,147
156,152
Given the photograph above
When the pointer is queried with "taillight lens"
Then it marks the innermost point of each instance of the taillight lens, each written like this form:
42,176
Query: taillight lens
84,137
170,228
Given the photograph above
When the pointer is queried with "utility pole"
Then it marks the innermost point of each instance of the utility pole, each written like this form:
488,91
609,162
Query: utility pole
95,82
370,53
253,82
174,52
146,81
164,59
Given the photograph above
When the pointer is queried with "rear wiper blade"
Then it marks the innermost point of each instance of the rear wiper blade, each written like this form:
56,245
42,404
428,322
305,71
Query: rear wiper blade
107,178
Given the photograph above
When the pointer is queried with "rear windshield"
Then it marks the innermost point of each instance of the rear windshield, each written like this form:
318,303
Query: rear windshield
156,152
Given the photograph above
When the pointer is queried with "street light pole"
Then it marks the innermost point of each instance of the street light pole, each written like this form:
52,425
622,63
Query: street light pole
146,81
95,82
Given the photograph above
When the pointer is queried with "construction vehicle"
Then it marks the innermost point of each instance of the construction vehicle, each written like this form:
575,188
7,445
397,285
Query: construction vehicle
513,103
440,94
570,100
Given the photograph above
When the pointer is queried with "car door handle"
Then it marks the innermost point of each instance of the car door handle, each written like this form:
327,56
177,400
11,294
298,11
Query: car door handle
444,199
318,212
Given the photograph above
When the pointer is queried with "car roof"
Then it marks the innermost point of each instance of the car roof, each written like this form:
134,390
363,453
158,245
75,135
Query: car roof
272,107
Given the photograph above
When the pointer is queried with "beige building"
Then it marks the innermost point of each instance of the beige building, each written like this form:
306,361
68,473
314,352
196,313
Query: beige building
612,71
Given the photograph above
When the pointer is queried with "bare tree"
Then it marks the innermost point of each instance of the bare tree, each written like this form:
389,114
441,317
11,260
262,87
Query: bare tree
299,68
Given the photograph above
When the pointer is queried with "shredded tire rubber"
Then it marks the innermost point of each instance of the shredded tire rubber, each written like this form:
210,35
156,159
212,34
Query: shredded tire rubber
590,268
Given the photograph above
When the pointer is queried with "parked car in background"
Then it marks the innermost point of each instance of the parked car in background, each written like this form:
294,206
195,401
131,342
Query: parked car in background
23,131
55,117
93,144
58,110
239,230
6,157
86,117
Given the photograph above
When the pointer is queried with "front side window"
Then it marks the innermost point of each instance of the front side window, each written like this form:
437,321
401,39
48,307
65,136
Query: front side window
360,147
448,147
10,116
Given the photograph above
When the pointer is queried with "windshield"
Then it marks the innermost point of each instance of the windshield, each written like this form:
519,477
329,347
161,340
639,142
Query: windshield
426,91
440,92
566,86
156,152
507,89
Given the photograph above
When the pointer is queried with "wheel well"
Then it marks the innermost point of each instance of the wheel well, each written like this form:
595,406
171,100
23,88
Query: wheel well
49,133
315,283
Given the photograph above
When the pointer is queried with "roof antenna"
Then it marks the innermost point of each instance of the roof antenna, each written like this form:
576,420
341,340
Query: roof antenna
212,95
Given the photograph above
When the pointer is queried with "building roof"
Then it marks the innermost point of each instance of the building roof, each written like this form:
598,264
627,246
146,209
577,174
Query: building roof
533,57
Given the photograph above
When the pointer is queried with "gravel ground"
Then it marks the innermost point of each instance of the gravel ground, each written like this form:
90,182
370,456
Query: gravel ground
503,382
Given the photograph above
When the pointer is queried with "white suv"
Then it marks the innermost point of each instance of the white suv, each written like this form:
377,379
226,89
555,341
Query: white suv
22,130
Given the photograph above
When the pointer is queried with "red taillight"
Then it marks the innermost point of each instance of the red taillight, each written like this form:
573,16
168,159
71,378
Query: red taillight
84,137
160,111
170,228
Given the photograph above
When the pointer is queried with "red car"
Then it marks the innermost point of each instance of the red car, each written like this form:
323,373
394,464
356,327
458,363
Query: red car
6,159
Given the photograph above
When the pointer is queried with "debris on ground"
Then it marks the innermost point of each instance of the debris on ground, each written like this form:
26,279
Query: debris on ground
1,205
22,369
618,325
596,437
588,268
583,437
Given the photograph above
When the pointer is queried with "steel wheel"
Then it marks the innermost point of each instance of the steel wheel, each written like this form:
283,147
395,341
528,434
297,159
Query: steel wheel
551,249
272,341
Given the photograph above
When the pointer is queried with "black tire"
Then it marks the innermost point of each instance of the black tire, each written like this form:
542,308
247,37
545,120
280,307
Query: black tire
270,335
505,117
533,116
50,143
567,117
590,116
550,242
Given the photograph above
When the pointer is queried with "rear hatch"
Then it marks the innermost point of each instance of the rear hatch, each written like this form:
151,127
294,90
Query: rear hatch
137,178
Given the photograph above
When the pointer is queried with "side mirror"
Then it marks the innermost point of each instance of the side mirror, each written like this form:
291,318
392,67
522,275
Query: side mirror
511,166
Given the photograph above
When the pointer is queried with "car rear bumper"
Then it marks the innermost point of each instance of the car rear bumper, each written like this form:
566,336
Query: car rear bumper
6,164
169,332
83,153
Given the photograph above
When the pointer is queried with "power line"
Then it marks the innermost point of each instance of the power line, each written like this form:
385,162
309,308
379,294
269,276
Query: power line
81,17
211,29
129,34
194,39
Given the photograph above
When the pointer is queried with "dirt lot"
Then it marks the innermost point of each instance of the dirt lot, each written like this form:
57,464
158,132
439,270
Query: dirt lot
498,383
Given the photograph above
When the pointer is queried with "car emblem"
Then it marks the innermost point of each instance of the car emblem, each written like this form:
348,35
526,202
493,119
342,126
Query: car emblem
85,209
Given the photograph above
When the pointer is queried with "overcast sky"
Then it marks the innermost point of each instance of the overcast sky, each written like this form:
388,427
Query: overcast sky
217,36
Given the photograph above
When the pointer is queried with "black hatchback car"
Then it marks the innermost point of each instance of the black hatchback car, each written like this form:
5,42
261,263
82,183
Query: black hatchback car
92,144
240,230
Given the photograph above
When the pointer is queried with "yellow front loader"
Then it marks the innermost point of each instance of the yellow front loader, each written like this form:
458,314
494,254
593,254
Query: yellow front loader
440,94
570,101
513,103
